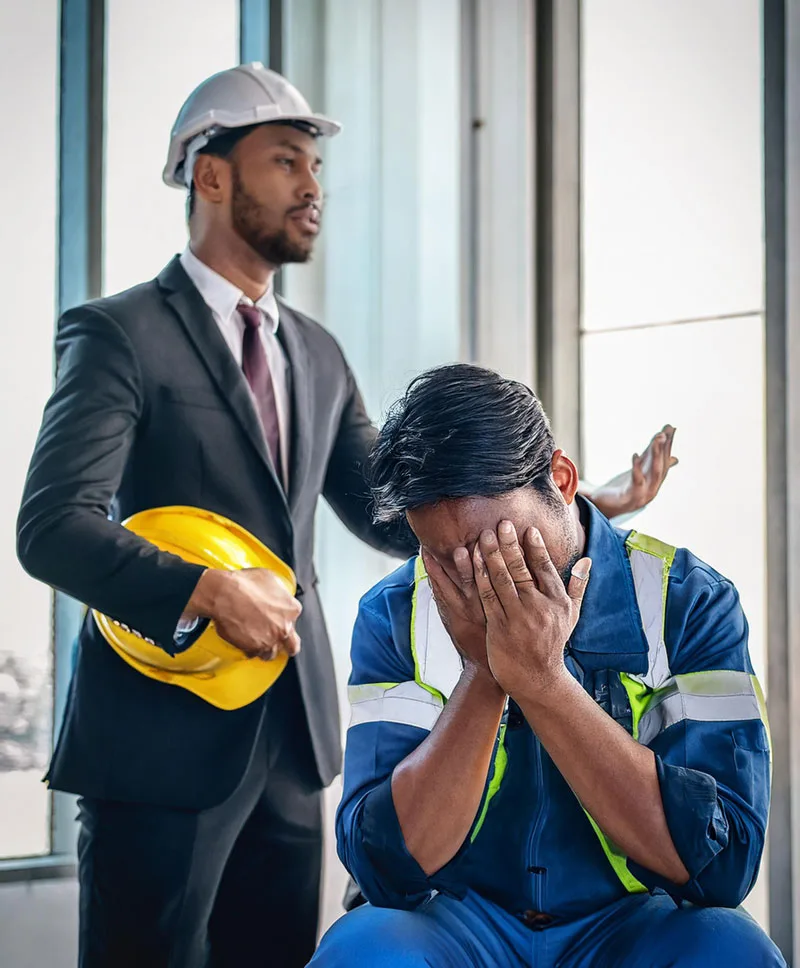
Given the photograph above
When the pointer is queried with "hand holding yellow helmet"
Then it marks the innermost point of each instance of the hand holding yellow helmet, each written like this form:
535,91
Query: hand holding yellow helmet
212,668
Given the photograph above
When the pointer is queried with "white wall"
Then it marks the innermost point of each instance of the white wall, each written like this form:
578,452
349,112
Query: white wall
386,277
150,70
39,925
673,274
27,255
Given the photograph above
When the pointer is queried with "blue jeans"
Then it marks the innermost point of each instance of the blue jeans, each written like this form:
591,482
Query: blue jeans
640,931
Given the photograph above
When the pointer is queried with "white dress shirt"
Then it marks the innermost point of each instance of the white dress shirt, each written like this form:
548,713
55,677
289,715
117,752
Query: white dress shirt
222,298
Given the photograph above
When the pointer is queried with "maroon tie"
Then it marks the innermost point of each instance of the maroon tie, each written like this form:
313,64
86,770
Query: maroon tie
256,370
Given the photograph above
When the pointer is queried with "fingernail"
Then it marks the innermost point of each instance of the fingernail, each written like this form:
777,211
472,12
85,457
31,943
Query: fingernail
460,554
489,539
506,529
536,536
581,570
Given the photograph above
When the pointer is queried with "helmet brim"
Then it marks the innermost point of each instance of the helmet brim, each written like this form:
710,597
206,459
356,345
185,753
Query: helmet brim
172,175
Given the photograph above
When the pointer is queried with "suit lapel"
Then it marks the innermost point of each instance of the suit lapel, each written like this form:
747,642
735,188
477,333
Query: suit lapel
202,330
301,425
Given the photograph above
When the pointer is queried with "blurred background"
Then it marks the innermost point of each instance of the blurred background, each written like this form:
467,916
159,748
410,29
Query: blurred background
598,197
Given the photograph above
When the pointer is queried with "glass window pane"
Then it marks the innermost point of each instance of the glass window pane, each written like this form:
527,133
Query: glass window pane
385,276
386,273
708,380
671,160
150,71
27,254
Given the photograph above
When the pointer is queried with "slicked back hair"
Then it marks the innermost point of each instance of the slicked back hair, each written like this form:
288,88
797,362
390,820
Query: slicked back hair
460,431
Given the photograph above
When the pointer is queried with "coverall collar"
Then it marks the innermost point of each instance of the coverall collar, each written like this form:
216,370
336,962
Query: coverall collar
609,633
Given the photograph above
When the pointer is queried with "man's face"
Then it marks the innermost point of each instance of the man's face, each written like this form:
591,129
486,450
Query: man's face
276,200
447,525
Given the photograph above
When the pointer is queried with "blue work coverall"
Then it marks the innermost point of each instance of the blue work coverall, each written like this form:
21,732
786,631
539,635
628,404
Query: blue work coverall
533,886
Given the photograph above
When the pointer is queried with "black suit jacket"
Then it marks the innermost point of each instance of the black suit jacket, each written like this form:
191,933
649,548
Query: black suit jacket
150,409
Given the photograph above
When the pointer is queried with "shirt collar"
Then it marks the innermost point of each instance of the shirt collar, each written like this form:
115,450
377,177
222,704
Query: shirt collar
610,624
221,296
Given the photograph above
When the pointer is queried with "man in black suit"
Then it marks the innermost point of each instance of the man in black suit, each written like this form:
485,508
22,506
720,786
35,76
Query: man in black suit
199,824
200,828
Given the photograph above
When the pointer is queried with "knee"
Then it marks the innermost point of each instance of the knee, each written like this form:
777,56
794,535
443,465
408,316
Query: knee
732,938
374,938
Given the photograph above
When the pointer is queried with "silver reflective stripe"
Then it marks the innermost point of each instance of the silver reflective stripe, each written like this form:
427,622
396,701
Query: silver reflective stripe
406,703
439,665
438,662
704,697
649,577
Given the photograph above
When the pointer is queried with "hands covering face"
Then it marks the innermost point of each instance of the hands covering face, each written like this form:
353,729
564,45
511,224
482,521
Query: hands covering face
506,608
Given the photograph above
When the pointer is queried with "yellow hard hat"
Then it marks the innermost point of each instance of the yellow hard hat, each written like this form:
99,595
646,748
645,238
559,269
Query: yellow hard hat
211,668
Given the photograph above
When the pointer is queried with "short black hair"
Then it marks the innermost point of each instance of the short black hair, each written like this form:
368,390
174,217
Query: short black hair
460,431
221,146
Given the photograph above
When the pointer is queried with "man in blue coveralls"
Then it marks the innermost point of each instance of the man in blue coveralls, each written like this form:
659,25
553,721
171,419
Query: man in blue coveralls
542,769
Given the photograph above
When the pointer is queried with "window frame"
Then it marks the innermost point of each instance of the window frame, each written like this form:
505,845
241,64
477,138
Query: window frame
558,85
81,132
79,268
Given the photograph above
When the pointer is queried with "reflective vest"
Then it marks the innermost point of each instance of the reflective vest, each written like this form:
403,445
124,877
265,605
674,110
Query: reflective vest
658,699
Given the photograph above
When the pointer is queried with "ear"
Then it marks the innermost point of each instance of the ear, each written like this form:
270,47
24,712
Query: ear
212,178
565,476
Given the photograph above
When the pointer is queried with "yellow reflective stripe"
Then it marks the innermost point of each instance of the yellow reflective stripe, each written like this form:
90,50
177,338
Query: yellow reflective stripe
437,663
638,696
444,670
498,772
651,561
762,705
369,690
711,696
419,576
710,682
404,703
618,861
652,546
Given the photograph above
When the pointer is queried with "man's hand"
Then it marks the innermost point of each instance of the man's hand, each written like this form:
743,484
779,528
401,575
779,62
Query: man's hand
633,489
529,614
251,609
459,606
530,617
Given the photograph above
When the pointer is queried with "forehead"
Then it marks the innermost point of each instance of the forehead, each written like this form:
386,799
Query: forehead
280,135
450,524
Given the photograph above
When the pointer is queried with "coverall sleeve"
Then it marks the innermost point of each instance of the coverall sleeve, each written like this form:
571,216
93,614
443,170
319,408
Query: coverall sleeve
707,726
369,839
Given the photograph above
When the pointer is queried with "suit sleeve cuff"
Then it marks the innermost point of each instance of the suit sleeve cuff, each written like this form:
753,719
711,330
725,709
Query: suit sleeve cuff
186,634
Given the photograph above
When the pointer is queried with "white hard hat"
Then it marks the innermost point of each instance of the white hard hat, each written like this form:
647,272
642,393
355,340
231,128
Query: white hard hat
236,98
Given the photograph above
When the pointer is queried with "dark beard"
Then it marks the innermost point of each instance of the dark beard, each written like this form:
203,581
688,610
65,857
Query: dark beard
276,248
566,573
570,545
